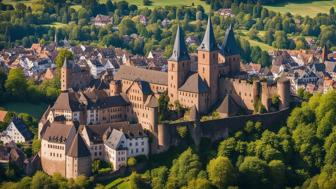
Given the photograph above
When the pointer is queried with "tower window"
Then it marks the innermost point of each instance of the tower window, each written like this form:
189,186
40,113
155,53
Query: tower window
203,56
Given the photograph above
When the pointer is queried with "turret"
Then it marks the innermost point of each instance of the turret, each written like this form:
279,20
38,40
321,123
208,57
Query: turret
283,86
208,62
230,51
178,66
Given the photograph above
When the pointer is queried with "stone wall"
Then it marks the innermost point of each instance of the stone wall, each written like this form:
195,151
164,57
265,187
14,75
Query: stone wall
215,129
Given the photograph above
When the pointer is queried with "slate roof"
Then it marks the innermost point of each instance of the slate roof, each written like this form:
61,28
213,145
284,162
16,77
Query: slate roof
180,50
229,46
67,101
78,147
114,140
22,128
209,41
229,106
194,84
133,73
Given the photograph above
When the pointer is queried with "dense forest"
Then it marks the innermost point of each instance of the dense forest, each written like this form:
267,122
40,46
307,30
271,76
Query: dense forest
301,153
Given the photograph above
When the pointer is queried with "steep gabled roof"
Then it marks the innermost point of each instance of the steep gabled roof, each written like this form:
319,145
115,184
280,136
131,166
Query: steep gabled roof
180,50
194,84
114,139
78,147
209,41
151,101
229,46
229,106
22,128
67,101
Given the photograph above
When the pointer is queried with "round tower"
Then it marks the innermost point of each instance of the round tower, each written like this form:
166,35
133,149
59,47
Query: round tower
283,87
115,87
163,136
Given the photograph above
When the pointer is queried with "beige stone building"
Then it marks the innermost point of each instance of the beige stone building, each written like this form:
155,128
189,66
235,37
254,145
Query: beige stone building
116,121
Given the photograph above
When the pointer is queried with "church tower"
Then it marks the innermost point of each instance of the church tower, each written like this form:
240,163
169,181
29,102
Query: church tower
208,61
178,66
65,76
229,51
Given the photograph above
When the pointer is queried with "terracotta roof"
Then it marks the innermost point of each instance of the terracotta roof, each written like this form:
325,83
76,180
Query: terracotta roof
78,147
194,84
67,101
133,73
3,115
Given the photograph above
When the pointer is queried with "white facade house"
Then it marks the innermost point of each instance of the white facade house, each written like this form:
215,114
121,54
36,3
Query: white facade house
17,132
96,68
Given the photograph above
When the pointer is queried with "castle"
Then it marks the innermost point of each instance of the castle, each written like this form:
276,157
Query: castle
113,120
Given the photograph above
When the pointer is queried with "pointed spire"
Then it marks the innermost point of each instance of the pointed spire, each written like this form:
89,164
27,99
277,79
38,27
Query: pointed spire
180,51
65,63
209,41
229,46
78,147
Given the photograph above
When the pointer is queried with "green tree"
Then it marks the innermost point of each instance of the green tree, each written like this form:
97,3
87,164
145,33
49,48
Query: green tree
254,173
185,168
16,84
127,27
199,183
221,172
277,173
41,180
62,54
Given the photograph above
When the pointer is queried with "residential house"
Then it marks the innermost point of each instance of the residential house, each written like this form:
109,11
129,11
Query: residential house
16,131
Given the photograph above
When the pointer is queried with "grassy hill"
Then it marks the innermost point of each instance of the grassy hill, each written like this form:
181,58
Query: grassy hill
304,7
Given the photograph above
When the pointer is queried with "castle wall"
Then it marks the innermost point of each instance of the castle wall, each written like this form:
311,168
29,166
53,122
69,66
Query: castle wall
53,157
78,166
240,89
217,129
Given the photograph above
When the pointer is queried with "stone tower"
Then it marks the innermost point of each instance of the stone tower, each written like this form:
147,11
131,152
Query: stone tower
65,76
324,54
208,62
229,50
178,66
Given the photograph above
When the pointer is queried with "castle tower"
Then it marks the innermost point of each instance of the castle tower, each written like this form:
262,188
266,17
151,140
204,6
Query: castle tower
208,62
229,50
178,66
283,86
324,54
78,158
65,76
